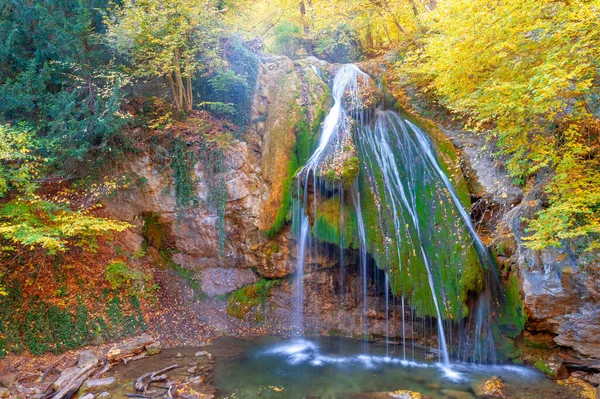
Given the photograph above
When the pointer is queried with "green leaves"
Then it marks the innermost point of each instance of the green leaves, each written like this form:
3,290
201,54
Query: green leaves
18,166
27,220
173,39
59,77
36,223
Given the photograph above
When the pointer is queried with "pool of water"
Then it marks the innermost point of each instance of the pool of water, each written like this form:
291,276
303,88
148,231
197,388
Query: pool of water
332,367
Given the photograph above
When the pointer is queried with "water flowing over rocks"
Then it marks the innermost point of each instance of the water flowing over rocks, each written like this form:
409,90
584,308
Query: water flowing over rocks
290,96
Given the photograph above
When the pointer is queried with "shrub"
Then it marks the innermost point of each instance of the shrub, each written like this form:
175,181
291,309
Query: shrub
119,276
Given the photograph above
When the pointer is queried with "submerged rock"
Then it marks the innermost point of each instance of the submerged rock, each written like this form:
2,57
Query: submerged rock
553,368
403,394
154,348
454,394
491,388
582,388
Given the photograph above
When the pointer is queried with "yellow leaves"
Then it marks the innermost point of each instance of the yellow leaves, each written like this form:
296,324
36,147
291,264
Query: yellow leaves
530,67
18,167
43,224
164,37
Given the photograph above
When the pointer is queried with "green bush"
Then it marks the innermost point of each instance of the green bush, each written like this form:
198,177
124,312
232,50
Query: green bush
338,44
40,326
117,274
288,39
228,92
134,280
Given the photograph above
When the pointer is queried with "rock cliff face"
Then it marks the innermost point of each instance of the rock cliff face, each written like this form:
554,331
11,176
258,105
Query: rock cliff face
287,95
560,291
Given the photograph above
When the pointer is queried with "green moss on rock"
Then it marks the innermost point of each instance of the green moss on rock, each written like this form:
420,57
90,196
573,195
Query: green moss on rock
512,316
305,137
249,298
286,199
447,247
336,223
447,154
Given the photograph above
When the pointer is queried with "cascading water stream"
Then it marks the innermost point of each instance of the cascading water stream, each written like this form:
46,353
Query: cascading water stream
363,252
377,142
330,141
427,147
415,207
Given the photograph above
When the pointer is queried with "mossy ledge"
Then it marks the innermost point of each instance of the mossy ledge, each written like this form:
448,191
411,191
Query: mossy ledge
447,154
454,264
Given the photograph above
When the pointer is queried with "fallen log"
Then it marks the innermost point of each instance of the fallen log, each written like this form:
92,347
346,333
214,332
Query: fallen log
167,390
75,383
51,368
129,349
137,357
142,383
103,369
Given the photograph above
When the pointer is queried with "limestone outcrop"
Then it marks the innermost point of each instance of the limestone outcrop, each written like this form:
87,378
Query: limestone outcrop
560,290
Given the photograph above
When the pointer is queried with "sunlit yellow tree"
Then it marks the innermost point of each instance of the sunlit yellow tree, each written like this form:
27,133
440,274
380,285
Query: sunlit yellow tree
29,221
530,69
170,38
378,24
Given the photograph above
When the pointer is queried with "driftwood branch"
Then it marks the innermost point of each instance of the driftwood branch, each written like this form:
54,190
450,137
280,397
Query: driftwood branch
137,357
167,391
103,369
142,383
129,349
51,367
73,386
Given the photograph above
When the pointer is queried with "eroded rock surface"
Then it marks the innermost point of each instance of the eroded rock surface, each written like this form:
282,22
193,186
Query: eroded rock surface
288,97
219,281
560,291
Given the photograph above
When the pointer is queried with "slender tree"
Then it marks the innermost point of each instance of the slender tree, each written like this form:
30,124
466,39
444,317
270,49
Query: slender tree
170,38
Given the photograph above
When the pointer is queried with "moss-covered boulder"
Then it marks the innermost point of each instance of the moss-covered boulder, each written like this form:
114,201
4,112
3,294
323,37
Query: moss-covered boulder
336,223
414,229
341,167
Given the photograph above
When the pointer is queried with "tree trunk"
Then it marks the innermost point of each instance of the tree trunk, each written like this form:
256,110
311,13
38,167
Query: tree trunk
189,94
130,348
174,92
306,26
179,79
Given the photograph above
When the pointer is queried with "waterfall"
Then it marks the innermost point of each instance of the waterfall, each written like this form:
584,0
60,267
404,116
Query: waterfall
334,133
403,215
378,142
